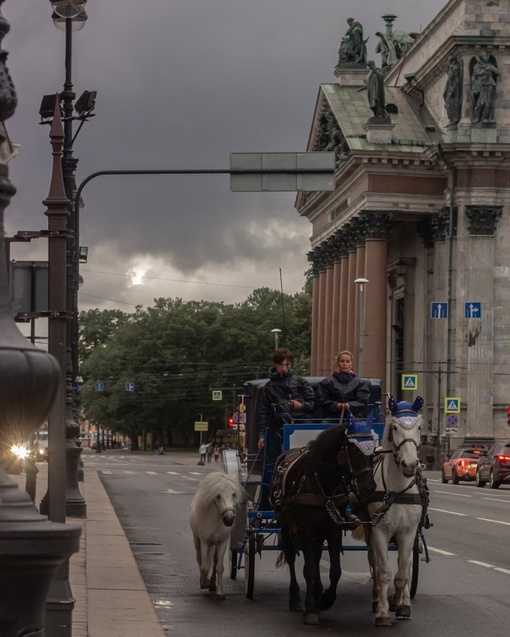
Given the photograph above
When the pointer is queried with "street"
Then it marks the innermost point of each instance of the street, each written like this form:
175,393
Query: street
462,590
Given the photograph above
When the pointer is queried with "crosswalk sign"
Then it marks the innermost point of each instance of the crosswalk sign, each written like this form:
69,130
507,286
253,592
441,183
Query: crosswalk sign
217,394
451,405
410,381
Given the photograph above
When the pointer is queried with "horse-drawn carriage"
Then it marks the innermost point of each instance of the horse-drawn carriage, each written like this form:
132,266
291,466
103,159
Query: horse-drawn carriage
323,488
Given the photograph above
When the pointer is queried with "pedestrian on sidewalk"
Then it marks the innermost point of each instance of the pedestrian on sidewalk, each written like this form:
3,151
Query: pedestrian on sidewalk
217,453
209,451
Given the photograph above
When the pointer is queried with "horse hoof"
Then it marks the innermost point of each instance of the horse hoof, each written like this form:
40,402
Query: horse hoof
204,586
212,589
382,621
311,619
221,596
404,612
326,602
374,606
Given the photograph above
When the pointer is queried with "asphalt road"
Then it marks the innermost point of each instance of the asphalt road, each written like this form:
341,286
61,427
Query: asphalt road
463,590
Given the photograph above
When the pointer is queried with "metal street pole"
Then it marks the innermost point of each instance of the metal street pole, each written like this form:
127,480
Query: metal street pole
276,333
361,282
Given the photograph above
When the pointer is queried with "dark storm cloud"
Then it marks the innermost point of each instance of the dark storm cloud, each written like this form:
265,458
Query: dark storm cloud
181,84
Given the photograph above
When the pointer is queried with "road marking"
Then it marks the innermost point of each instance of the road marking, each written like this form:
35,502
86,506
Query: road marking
484,564
127,471
497,500
463,515
196,473
459,495
440,551
490,566
173,473
173,492
495,521
152,473
107,473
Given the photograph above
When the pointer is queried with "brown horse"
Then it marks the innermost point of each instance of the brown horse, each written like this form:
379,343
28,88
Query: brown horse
314,493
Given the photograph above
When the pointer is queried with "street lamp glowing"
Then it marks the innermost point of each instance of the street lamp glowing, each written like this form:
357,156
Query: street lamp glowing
361,282
276,333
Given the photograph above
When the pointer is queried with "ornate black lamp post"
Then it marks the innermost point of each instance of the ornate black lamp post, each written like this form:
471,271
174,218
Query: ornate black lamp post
70,16
31,548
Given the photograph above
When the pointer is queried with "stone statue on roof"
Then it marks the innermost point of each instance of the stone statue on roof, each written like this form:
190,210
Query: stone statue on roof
393,45
375,88
452,94
353,48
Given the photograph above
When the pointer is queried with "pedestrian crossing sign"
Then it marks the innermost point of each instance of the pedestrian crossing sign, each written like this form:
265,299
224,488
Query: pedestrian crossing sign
217,394
451,405
410,381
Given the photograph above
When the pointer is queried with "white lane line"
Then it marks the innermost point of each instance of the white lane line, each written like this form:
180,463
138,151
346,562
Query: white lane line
463,515
440,551
495,521
173,473
459,495
152,473
497,500
172,491
128,471
196,473
490,566
484,564
107,473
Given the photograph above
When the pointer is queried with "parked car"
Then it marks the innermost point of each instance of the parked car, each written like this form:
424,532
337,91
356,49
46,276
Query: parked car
461,465
494,467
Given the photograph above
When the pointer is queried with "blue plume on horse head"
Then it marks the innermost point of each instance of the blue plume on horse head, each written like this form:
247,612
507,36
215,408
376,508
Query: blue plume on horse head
358,427
404,408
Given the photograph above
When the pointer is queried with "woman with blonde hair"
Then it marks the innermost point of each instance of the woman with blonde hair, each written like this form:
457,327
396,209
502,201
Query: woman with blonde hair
344,390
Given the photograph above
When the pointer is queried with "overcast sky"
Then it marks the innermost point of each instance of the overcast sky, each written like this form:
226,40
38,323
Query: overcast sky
180,85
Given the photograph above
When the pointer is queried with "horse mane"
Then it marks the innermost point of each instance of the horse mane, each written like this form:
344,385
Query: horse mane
213,485
325,447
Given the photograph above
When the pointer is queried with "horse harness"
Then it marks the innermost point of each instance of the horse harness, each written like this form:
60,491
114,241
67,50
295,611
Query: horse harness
288,490
401,497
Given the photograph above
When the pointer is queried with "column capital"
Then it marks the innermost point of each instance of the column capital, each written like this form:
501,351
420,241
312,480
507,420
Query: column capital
482,220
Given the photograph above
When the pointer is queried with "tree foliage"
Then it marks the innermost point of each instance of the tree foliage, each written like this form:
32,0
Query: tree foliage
177,351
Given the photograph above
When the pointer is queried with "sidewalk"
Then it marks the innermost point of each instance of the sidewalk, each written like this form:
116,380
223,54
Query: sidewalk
111,598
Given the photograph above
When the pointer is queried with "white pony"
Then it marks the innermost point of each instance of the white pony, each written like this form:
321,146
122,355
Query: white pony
212,515
396,509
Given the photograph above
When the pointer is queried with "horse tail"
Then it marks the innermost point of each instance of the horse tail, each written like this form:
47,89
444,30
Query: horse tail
281,561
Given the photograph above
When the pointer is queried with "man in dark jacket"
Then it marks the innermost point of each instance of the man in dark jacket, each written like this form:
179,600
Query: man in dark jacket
286,397
343,390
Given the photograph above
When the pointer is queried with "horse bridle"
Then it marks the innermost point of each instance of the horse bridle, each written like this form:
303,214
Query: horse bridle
396,447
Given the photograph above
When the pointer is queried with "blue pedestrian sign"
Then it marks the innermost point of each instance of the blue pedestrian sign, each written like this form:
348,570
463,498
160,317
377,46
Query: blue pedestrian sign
438,310
410,381
451,405
99,386
130,387
473,310
217,394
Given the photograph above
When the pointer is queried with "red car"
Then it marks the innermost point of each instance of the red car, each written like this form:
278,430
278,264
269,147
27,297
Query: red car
461,465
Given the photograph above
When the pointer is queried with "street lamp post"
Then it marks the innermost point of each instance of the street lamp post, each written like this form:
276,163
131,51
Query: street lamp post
70,16
276,333
361,283
32,549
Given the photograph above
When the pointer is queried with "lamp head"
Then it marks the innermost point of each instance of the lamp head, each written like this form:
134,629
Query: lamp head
68,8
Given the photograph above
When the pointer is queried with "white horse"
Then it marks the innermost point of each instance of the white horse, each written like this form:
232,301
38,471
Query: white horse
397,509
212,515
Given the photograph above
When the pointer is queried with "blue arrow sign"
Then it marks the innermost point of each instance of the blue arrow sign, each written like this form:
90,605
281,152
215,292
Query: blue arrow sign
438,310
473,310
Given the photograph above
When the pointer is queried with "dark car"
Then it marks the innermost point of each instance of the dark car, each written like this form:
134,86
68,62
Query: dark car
494,467
461,465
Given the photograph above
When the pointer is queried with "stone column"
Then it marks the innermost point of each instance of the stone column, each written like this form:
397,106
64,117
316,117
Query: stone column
328,321
344,294
315,323
337,302
350,298
321,322
360,272
477,331
376,228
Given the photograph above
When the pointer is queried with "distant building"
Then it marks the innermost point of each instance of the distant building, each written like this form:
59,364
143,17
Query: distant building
421,210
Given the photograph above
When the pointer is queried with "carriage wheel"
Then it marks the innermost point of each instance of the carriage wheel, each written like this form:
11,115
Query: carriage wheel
249,566
233,563
415,568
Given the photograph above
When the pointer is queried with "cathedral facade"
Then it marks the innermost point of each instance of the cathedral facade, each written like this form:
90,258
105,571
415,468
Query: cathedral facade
411,252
